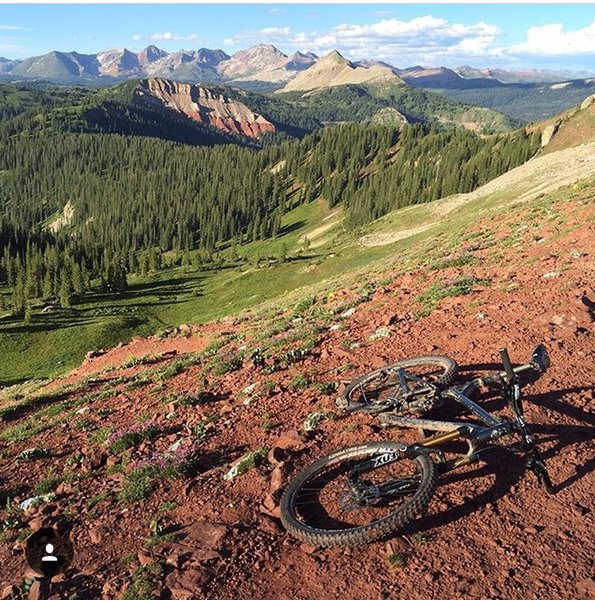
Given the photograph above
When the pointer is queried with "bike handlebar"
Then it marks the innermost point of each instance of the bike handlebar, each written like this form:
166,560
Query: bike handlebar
539,362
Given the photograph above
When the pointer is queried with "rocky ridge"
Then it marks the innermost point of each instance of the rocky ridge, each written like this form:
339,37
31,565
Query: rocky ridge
203,106
334,69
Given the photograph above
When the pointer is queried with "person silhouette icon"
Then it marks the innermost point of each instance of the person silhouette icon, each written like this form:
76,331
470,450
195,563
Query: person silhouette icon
48,552
49,548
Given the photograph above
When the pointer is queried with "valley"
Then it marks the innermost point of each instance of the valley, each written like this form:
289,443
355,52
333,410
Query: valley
240,385
74,263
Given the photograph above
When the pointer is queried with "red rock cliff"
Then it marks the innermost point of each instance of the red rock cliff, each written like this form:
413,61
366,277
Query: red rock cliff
204,106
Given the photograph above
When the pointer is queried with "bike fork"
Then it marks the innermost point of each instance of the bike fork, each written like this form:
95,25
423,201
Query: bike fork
534,461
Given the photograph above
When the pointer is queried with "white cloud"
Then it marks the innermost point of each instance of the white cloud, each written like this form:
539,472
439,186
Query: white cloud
554,40
423,39
11,47
11,28
167,36
276,31
426,40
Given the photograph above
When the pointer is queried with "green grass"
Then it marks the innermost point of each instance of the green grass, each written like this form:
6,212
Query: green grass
397,560
462,286
142,583
138,485
48,484
95,500
57,342
133,437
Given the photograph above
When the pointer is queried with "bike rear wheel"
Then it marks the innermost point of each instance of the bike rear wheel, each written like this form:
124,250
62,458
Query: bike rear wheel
374,389
319,507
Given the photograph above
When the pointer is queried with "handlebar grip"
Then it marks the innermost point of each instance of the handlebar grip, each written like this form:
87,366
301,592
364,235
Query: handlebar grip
507,364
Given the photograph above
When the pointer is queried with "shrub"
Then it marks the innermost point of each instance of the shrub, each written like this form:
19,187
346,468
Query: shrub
313,420
33,454
328,387
127,437
303,305
397,559
48,484
299,383
201,431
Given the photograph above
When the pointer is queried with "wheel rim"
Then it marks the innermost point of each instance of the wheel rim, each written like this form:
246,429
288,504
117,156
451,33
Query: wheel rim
326,501
383,385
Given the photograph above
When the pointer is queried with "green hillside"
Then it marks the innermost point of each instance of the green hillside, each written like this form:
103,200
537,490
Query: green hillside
525,102
360,102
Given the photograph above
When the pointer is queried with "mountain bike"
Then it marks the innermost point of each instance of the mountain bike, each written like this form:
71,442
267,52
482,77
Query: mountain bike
363,493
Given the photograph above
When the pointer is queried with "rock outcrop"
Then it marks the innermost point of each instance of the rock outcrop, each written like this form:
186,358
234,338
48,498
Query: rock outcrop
203,106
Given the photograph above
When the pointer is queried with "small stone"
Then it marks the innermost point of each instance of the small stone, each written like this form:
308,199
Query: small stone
586,588
112,461
308,548
557,320
144,559
289,440
396,546
96,534
185,585
9,592
35,591
64,488
580,510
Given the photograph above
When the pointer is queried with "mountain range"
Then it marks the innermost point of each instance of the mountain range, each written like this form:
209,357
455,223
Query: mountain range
260,65
263,62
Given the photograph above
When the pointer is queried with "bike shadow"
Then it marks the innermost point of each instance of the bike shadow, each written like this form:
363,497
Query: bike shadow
509,469
493,463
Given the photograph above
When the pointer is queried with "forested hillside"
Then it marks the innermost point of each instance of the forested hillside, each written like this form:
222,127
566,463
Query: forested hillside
82,210
360,102
526,102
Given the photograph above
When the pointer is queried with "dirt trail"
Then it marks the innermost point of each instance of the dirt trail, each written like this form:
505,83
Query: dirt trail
490,532
382,239
316,236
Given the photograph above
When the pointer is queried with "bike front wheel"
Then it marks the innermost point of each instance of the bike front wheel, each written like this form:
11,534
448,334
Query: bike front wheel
321,508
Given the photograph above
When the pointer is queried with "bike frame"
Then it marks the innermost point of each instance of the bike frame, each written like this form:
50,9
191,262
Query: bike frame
476,436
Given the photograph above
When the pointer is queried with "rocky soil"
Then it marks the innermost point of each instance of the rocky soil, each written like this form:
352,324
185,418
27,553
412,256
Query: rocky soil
137,449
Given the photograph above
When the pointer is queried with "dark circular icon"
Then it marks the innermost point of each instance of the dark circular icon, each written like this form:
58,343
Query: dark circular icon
48,552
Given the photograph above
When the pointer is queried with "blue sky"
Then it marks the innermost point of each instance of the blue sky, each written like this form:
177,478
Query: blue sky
505,35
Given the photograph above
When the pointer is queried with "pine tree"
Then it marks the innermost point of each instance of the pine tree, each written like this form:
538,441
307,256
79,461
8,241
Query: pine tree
18,294
47,287
65,290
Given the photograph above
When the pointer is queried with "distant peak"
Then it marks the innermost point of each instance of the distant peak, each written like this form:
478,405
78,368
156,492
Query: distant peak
298,54
335,55
266,46
152,49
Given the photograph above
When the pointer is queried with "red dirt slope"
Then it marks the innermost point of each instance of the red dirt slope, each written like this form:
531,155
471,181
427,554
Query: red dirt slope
490,533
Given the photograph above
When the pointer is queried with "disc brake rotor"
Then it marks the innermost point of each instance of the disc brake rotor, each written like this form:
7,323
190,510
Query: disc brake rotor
349,501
